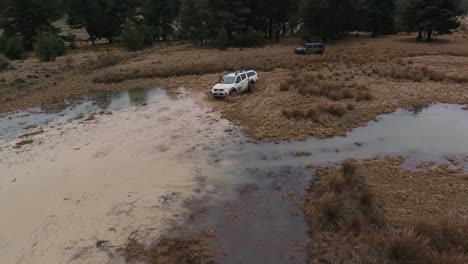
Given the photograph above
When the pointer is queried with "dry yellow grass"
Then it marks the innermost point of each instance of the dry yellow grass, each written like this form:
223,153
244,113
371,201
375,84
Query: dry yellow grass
172,250
355,216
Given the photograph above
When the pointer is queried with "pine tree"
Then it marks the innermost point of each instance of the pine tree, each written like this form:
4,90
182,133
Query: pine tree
378,16
27,17
100,18
160,15
194,20
427,16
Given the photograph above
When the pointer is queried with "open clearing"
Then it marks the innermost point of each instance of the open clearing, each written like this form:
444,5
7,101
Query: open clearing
368,77
105,170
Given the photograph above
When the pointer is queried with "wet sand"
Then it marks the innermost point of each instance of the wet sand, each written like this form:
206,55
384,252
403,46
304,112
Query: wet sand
101,180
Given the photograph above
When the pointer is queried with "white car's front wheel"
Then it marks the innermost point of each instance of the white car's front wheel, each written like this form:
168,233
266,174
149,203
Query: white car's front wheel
233,92
251,87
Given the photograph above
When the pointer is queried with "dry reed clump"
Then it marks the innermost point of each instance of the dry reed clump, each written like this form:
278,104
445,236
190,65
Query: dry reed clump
69,62
189,249
264,64
316,113
408,247
133,250
340,207
344,213
311,114
336,182
330,210
414,73
320,85
344,196
337,110
104,60
163,72
449,258
445,235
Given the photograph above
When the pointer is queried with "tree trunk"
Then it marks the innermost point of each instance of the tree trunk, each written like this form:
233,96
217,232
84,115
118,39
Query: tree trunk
429,35
93,41
284,29
374,33
270,28
420,33
277,35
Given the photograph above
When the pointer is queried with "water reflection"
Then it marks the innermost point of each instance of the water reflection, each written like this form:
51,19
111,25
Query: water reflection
14,124
138,96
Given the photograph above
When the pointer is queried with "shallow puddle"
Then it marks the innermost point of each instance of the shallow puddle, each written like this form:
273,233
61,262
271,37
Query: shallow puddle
161,162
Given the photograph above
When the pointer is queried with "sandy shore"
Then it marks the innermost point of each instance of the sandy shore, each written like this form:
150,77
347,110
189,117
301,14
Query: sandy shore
101,180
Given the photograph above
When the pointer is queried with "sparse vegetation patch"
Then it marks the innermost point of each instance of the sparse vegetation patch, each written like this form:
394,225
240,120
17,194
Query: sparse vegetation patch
189,249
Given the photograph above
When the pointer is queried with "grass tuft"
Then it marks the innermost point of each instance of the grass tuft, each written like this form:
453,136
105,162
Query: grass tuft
330,209
349,168
336,110
407,247
336,182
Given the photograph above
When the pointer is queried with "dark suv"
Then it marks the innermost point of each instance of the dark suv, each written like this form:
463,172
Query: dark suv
310,48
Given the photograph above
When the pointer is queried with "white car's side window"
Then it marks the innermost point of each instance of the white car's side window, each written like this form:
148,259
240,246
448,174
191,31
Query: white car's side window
243,76
238,79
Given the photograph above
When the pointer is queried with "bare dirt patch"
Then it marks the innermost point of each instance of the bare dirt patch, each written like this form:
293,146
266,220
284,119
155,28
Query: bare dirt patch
378,212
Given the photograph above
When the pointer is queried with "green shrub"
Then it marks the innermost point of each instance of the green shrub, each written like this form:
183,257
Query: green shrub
13,48
48,46
250,39
132,37
222,40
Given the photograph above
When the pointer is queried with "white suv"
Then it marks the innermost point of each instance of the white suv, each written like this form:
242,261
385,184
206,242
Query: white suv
235,83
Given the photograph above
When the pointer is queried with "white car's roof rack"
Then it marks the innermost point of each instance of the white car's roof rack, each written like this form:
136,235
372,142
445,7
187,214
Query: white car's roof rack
239,71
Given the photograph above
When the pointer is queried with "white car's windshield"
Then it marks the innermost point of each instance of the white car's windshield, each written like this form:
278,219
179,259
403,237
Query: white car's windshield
227,80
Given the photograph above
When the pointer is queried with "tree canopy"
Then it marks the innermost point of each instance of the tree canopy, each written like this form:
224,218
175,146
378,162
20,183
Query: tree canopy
242,21
427,16
28,17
